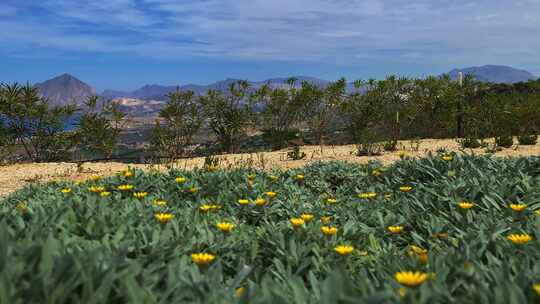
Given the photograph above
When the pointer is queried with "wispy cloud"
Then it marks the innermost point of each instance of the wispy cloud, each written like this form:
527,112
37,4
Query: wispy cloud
340,31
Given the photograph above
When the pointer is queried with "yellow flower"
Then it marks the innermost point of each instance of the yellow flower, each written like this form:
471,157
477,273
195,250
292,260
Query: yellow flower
260,202
66,190
327,230
306,217
270,194
326,219
163,217
239,291
205,208
447,157
243,202
273,178
21,207
211,168
225,227
125,187
518,207
331,201
419,252
344,250
193,190
411,279
536,288
465,205
95,178
180,180
96,189
376,172
105,194
297,222
215,207
537,212
251,177
367,195
519,239
402,154
127,173
299,177
405,188
160,202
202,259
395,229
140,194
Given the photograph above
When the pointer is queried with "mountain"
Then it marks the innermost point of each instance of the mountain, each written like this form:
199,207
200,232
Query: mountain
65,89
495,73
159,92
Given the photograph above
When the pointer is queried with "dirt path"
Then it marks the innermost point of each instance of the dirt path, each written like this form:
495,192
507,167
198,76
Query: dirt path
14,177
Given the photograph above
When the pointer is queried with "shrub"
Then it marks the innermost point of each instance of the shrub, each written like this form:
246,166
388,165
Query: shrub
505,141
281,110
35,126
390,145
469,143
229,116
296,154
527,140
100,127
178,122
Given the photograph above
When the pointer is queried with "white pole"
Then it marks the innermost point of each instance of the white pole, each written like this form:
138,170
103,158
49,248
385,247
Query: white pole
460,79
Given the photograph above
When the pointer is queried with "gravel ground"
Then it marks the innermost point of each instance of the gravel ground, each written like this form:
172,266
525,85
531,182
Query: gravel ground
14,177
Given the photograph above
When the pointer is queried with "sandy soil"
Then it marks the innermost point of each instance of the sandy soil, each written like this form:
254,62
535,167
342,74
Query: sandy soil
14,177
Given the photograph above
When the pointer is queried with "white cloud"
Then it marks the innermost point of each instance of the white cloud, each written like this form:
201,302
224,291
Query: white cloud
326,31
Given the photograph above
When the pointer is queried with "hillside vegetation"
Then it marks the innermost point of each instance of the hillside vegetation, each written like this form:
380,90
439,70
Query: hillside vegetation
373,116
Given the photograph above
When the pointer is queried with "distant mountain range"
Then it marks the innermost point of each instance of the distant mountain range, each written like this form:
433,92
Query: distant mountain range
68,89
495,73
159,92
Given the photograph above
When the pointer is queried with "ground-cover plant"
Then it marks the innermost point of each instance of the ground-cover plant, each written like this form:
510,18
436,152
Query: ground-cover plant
441,229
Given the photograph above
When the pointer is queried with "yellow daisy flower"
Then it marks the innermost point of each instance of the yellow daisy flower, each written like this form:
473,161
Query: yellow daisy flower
344,250
327,230
306,217
465,205
163,217
225,227
243,202
202,259
297,222
519,239
395,229
405,188
518,207
411,279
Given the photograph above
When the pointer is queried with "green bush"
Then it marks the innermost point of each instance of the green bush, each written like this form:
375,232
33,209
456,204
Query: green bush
504,141
469,143
527,140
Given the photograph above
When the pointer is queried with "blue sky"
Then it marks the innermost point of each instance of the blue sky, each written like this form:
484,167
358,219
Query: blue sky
124,44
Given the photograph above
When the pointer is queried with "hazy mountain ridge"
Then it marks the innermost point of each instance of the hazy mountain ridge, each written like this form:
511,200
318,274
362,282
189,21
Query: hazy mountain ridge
495,73
66,88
